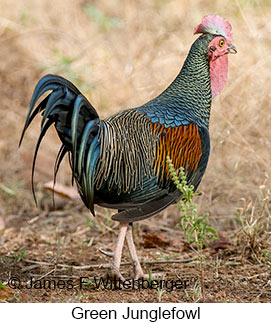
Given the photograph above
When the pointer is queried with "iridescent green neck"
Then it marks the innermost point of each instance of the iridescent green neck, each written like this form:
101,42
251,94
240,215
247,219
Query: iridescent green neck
191,89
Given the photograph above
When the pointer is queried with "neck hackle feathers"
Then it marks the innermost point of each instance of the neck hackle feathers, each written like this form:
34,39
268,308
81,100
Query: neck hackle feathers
215,25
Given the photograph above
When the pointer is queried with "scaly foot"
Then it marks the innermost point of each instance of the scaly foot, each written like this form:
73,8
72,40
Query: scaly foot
114,274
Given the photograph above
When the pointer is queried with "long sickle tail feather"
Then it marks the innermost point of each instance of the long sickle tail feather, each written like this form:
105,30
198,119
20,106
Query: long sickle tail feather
74,118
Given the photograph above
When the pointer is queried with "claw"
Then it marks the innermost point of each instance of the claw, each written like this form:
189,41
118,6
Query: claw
106,253
138,272
113,274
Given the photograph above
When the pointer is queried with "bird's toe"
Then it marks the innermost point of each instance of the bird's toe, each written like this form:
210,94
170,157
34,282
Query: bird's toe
114,274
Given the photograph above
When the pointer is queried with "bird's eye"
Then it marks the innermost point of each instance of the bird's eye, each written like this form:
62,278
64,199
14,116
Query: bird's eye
221,42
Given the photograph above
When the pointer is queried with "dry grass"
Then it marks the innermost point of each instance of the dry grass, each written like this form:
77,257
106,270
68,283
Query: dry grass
121,60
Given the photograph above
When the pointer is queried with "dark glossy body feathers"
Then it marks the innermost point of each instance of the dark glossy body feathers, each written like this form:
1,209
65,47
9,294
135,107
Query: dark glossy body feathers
120,162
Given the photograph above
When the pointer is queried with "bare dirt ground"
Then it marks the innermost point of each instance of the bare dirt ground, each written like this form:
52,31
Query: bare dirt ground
121,54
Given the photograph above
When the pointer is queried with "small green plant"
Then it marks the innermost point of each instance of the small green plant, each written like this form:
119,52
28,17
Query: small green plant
88,283
160,292
197,292
149,279
104,22
19,256
196,228
266,255
166,256
2,286
25,18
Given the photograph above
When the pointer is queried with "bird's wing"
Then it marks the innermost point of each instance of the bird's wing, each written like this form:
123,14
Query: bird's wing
148,209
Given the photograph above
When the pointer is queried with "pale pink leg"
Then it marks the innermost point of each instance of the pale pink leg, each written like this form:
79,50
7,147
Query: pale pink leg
115,270
138,272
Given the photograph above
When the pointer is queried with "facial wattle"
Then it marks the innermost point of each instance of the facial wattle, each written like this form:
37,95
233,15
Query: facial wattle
218,73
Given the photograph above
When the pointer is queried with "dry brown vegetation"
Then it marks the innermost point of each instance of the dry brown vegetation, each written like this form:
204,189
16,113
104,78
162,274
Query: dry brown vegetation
121,54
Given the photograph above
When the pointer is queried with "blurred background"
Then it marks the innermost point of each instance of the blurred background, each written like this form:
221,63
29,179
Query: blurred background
120,54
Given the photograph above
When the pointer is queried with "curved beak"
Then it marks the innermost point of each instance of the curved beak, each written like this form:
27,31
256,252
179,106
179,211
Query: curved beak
231,49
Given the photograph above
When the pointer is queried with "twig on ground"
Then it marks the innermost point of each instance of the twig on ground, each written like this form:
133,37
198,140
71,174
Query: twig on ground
47,274
105,266
90,242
